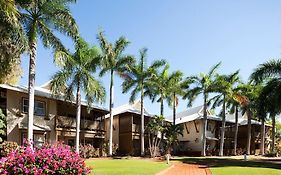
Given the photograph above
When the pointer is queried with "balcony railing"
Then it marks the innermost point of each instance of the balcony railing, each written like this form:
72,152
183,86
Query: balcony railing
70,123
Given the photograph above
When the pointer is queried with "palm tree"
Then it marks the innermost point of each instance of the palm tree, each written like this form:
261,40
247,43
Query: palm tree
113,61
12,43
76,76
224,85
159,87
248,105
136,79
39,18
177,88
269,73
203,84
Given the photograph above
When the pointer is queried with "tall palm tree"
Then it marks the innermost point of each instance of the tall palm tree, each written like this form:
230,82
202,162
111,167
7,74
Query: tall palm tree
39,18
159,87
202,84
269,73
136,79
177,88
248,105
224,85
113,61
76,76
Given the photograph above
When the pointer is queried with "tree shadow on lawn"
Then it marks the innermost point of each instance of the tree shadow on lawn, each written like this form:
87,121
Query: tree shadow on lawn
224,162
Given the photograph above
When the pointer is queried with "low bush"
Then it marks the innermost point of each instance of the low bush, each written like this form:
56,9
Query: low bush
7,147
55,159
88,151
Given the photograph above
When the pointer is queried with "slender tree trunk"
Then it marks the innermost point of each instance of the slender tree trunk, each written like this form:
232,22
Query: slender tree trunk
262,136
249,114
31,83
273,133
161,107
142,123
222,128
111,104
236,131
203,151
78,117
174,109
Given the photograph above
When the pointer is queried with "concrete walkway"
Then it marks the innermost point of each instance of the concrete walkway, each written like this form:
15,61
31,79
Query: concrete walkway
186,169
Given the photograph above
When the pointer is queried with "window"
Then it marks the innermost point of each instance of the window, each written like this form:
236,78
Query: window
39,107
209,127
38,139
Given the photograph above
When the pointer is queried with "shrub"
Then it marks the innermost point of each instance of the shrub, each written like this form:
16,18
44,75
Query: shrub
55,159
88,151
114,149
7,147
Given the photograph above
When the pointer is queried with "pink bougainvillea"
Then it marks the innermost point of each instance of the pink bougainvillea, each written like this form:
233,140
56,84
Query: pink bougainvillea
54,159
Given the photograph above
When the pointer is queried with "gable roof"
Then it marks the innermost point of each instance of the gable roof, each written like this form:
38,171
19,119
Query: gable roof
134,108
43,91
242,119
194,113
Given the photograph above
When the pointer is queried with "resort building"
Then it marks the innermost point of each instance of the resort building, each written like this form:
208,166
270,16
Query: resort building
242,134
191,141
127,127
54,119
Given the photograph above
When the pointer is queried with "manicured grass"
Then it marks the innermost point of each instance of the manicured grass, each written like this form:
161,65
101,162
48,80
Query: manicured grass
234,166
125,166
244,171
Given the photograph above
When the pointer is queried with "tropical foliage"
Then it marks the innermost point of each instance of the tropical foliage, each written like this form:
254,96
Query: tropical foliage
113,61
76,76
202,84
137,79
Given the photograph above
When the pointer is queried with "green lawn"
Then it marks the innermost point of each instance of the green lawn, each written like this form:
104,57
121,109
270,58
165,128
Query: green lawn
233,166
125,167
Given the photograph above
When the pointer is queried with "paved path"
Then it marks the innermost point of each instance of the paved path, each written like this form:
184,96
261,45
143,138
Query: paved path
186,169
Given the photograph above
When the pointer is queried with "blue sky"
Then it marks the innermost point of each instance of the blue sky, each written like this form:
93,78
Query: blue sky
191,35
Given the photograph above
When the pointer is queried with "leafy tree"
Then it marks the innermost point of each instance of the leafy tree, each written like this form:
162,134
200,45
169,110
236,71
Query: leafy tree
202,84
39,18
136,79
76,76
154,127
171,133
113,61
224,85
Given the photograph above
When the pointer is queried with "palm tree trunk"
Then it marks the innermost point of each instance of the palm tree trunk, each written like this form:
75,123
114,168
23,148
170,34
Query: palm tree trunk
78,117
31,83
236,131
222,128
161,107
174,109
262,136
142,123
203,151
249,114
273,133
111,104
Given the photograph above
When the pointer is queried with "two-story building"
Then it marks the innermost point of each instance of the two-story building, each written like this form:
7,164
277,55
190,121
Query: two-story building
54,119
126,128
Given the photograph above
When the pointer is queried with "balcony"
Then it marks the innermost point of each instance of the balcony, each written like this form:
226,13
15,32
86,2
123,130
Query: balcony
64,122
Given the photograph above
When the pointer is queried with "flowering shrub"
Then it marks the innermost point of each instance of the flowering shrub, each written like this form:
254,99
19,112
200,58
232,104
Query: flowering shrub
7,147
56,159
